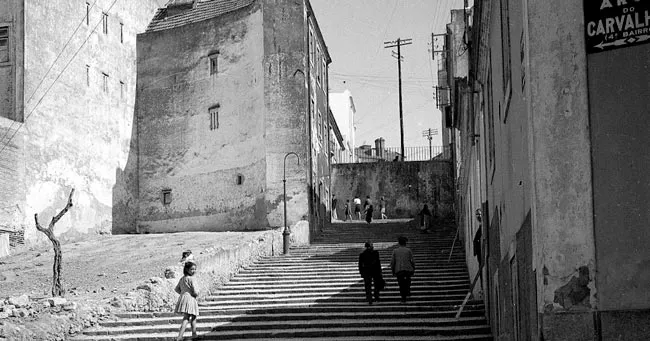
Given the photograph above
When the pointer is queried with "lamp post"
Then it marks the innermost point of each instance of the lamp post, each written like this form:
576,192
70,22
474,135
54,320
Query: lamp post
286,242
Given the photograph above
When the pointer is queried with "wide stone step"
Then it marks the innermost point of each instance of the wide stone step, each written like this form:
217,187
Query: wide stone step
369,314
335,300
240,287
316,283
335,296
392,307
311,292
172,336
287,329
211,324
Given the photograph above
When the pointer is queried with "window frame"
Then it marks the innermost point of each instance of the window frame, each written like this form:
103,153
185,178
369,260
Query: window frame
213,63
318,71
105,23
87,13
105,77
6,38
213,112
166,197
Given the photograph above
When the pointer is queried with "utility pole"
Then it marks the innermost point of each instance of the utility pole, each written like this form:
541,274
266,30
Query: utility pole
429,133
399,43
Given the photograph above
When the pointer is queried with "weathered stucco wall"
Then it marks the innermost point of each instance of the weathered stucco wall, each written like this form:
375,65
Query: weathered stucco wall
563,210
406,186
619,104
285,100
178,150
78,135
11,59
12,192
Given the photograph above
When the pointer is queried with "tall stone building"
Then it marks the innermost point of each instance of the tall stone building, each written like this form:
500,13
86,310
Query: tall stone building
226,89
67,93
553,151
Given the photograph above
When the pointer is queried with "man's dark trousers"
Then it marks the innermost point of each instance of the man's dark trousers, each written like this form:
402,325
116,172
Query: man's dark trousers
404,282
368,283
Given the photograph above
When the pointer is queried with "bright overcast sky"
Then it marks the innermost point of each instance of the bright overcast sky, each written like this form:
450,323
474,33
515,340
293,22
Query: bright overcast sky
355,32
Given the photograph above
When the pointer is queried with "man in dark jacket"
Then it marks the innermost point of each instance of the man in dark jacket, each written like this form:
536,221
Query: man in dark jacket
370,270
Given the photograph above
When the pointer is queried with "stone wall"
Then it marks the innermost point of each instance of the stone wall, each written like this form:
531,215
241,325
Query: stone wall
406,186
285,100
216,174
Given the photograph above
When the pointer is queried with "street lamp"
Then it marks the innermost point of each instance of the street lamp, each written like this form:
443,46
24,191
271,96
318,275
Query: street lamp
286,242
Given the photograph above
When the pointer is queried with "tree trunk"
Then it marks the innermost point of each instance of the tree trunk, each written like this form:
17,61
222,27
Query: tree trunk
57,288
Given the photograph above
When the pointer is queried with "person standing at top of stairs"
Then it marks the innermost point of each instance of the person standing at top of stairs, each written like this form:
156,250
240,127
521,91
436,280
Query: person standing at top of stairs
403,267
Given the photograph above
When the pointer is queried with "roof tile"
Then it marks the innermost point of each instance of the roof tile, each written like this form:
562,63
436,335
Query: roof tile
203,10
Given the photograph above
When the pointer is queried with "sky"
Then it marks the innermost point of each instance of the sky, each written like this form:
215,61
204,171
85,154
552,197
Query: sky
355,32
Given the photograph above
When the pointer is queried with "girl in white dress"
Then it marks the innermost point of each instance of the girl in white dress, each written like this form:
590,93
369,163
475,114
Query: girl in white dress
187,304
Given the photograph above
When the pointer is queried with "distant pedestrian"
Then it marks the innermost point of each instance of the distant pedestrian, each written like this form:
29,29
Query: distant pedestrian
348,210
478,238
396,158
357,207
368,209
382,208
187,304
334,203
403,267
425,218
370,271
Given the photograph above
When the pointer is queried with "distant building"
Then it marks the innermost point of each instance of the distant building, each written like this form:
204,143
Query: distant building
344,111
67,94
226,88
338,147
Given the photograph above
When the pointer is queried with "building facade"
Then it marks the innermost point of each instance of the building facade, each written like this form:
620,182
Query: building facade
67,93
552,154
226,90
344,111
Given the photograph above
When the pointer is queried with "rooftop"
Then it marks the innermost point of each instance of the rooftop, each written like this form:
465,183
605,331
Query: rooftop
182,12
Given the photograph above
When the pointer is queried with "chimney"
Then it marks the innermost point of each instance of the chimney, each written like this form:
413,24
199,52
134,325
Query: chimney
379,147
175,7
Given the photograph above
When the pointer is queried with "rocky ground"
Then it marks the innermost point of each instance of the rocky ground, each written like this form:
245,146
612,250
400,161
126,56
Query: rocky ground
101,275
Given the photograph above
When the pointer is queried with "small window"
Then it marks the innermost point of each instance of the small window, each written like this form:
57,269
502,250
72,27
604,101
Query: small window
240,179
104,82
105,23
214,117
4,44
166,196
87,75
87,14
320,126
213,63
121,33
318,71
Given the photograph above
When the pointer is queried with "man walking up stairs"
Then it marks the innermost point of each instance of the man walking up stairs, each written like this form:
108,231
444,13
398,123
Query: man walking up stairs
316,293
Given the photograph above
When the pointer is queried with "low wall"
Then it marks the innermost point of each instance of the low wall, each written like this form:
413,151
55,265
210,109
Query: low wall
216,266
406,187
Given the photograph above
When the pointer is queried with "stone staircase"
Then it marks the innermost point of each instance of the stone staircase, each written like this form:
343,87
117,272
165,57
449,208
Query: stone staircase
315,293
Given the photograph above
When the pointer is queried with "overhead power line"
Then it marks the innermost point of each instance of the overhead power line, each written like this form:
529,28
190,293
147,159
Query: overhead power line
55,80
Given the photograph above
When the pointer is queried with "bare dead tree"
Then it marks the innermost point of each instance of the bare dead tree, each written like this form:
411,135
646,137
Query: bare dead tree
57,289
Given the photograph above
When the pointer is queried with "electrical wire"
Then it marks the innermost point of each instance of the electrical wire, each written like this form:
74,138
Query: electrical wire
56,79
48,71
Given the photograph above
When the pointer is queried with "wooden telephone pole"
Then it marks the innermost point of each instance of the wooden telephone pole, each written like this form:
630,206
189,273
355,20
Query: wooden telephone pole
399,43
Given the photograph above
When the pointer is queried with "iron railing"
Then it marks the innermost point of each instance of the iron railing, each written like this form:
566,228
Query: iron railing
367,154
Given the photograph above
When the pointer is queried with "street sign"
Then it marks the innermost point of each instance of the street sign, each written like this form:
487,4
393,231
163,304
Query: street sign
612,24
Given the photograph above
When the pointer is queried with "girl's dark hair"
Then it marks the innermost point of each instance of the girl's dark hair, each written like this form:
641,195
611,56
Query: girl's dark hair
186,268
402,240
